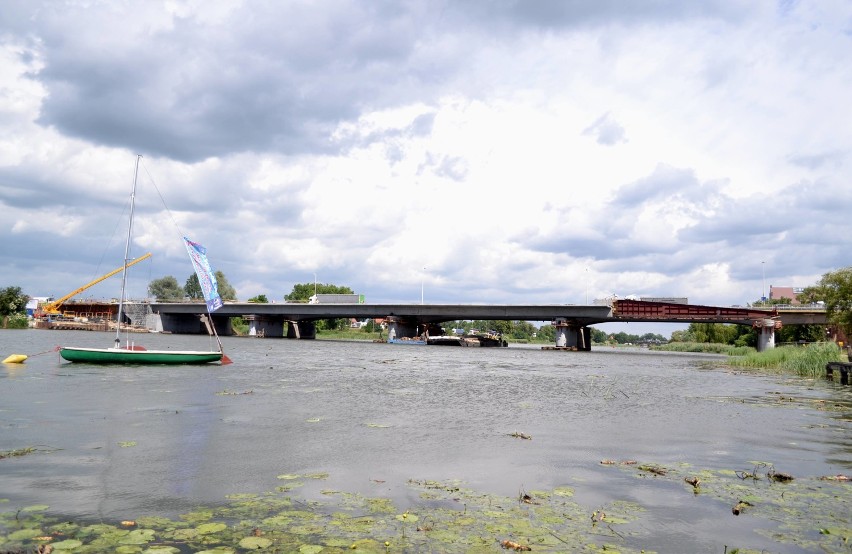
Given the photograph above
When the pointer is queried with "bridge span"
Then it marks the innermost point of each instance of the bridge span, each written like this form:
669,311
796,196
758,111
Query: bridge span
297,320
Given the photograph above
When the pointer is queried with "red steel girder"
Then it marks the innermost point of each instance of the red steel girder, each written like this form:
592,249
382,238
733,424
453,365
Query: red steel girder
668,311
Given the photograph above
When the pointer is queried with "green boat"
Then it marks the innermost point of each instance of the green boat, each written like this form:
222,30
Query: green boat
137,355
126,356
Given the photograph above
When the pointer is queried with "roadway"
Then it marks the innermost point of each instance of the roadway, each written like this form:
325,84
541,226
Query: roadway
583,315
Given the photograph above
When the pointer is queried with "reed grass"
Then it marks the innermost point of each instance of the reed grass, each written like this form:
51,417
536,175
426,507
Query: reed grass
707,347
805,361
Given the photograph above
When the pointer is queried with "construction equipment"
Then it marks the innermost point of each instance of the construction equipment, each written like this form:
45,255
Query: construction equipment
52,308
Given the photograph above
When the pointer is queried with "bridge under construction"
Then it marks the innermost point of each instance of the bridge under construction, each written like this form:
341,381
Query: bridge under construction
297,320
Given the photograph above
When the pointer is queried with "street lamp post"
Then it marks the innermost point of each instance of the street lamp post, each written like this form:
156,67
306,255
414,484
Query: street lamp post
422,276
763,267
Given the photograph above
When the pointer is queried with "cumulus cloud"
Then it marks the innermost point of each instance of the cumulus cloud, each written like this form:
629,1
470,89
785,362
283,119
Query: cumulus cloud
500,152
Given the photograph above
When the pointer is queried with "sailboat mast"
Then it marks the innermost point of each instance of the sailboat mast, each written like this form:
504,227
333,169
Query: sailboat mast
121,299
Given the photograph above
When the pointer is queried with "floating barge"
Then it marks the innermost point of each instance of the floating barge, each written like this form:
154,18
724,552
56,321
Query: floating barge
468,340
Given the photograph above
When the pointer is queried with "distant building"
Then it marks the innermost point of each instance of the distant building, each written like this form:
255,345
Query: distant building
777,293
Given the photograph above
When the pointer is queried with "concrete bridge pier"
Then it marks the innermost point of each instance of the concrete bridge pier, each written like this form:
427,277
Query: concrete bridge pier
572,335
400,327
301,329
766,333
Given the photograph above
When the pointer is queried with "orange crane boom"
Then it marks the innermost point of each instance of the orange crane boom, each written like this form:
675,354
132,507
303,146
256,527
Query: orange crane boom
52,308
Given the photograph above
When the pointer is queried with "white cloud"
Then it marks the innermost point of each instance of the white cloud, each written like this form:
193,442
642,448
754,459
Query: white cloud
522,153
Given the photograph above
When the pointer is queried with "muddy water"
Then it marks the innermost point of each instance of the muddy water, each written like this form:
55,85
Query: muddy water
117,443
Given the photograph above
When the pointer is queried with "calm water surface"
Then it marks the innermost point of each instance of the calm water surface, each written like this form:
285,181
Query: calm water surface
374,416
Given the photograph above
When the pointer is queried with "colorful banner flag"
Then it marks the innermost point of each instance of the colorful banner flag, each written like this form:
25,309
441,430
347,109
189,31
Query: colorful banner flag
209,287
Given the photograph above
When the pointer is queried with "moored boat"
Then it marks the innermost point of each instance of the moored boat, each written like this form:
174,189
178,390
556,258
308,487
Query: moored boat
133,356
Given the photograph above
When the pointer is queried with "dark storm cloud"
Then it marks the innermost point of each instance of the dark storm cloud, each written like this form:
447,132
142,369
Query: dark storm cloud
275,77
279,80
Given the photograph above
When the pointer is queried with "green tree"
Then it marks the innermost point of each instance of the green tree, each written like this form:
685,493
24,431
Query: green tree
13,301
226,291
192,288
800,333
166,289
598,336
302,292
547,333
259,299
682,335
835,289
720,333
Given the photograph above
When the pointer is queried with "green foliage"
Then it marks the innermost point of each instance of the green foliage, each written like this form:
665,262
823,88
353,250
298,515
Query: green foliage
835,289
226,291
705,347
166,289
627,338
547,333
15,321
800,333
598,336
259,299
720,333
302,292
240,326
13,301
192,288
806,361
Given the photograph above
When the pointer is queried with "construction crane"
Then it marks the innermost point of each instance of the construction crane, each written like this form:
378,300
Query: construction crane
52,308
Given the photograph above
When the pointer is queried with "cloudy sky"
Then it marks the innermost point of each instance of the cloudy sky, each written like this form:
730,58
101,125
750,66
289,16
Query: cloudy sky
501,151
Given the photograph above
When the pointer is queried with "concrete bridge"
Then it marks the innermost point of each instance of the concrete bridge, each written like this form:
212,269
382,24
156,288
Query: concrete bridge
407,320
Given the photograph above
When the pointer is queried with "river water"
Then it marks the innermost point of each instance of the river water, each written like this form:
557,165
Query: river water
118,442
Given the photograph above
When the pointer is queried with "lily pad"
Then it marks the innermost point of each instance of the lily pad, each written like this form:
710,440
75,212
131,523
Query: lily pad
210,528
255,543
67,544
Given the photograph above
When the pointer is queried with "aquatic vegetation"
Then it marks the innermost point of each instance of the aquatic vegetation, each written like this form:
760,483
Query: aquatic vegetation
802,505
810,512
17,452
706,347
806,361
452,519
